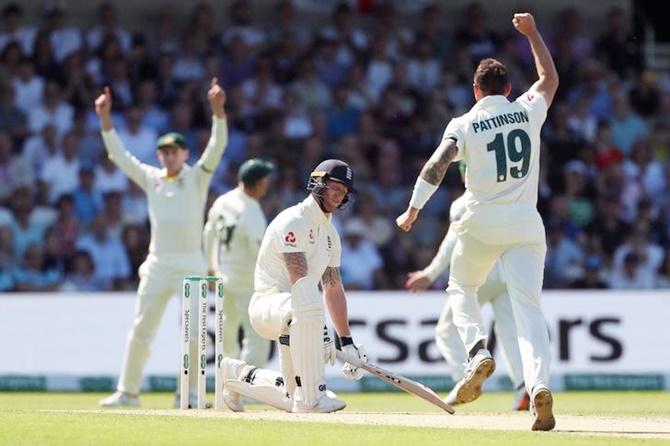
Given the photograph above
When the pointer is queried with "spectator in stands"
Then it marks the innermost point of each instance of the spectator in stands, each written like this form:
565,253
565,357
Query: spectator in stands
14,30
648,255
82,276
592,275
140,139
25,231
32,275
13,121
627,126
15,171
108,178
631,274
87,200
60,172
361,263
53,110
28,86
109,257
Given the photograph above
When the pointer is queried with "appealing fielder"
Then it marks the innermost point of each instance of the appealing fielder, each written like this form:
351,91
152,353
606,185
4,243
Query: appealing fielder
233,235
176,195
500,143
493,291
300,248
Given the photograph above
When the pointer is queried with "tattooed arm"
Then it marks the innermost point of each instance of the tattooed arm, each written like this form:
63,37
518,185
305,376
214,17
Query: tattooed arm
433,171
430,177
296,264
336,301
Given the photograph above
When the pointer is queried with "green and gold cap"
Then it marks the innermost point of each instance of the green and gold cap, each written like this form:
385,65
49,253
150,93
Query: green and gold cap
172,139
253,170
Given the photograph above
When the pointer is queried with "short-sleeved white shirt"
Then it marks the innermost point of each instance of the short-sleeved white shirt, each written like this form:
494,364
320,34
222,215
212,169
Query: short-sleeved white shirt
499,141
300,228
239,225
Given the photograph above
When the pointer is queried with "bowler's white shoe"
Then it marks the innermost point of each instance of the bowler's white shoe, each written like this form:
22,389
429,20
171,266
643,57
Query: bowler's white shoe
231,370
541,409
468,389
121,399
324,405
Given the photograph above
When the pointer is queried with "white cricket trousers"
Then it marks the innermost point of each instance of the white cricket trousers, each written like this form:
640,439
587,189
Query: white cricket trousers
255,349
160,278
521,249
450,345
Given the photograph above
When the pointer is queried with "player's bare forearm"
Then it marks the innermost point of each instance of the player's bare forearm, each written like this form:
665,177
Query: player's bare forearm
296,264
434,170
336,300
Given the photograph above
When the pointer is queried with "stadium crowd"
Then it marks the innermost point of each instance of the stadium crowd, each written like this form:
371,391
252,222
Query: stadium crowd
365,87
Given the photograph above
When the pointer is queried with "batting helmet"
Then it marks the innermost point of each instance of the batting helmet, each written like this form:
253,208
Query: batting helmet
334,170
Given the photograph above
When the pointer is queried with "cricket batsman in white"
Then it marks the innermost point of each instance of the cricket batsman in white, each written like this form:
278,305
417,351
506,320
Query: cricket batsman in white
301,248
499,141
177,195
493,291
233,235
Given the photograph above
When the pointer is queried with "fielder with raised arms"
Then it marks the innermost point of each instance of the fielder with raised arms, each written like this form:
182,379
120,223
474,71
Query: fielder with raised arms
233,234
300,248
500,143
177,195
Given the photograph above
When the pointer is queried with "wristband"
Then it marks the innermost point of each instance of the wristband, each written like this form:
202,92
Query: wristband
422,192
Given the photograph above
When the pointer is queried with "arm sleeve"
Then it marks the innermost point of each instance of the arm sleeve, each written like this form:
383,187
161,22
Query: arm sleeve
211,156
336,253
210,238
443,257
291,236
455,132
131,166
535,104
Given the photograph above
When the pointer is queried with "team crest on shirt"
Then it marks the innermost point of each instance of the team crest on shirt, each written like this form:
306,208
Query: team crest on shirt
311,236
289,239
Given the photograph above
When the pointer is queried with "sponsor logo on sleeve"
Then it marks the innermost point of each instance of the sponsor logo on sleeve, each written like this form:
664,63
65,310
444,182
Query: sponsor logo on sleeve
290,240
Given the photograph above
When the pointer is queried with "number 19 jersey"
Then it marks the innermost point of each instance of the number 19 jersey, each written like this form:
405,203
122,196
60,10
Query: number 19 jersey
499,141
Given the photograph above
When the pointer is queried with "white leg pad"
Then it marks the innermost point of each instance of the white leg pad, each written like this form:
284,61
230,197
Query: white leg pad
266,386
306,332
286,364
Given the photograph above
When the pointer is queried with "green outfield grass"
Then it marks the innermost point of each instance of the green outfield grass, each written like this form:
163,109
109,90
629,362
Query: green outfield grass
24,422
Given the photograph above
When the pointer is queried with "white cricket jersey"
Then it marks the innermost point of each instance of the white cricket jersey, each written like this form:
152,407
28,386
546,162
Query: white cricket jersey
176,205
300,228
233,236
500,143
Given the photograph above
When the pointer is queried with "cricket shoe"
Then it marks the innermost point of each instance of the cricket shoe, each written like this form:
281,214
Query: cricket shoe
469,388
521,399
232,369
325,404
121,399
541,409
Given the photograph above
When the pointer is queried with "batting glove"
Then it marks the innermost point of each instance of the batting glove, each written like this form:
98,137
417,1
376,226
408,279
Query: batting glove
355,355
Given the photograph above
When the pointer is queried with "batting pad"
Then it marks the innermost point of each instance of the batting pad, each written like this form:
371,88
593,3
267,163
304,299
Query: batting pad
306,332
286,364
266,386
